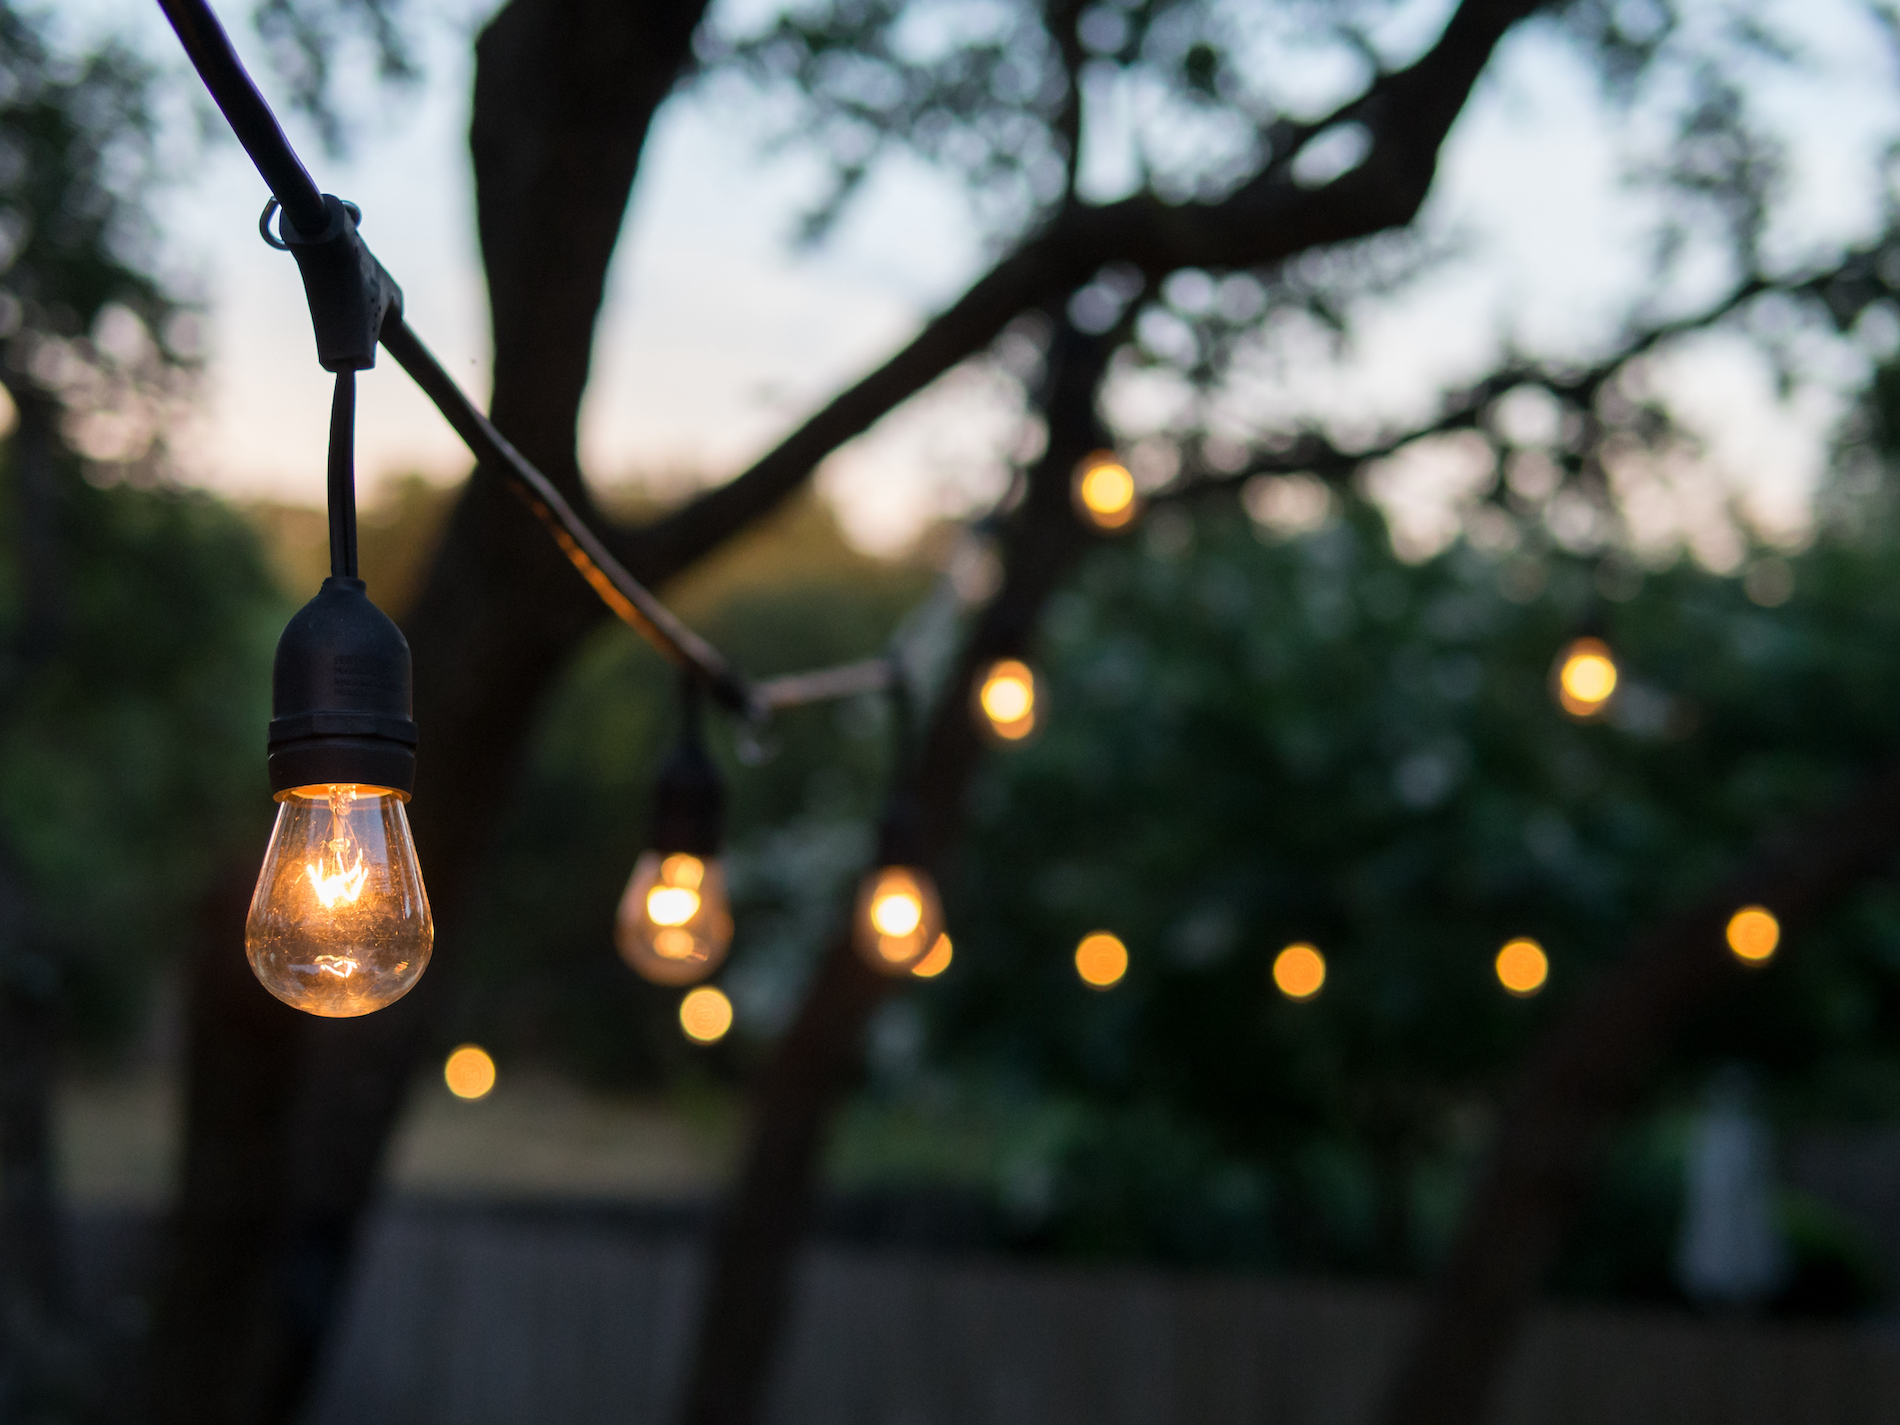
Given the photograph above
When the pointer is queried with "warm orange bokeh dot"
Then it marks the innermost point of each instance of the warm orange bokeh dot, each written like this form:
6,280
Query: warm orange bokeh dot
1586,678
1101,960
936,962
1299,971
1007,699
1523,967
470,1072
1753,934
1105,491
705,1015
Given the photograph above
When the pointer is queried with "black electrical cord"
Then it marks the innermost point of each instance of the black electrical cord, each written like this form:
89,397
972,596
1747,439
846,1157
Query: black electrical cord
217,63
343,477
211,53
619,590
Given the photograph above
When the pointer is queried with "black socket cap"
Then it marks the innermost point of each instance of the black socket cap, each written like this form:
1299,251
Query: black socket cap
689,802
341,696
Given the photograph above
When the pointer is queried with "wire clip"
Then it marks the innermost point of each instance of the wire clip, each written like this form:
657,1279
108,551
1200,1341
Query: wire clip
349,292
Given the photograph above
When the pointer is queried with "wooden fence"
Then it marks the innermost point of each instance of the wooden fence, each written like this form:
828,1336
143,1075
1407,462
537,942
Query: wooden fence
465,1317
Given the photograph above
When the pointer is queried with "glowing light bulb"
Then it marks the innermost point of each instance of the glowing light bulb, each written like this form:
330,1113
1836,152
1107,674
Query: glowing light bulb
469,1072
1105,492
1299,971
899,919
1522,967
340,923
1101,960
1586,677
675,923
1006,700
1753,934
705,1015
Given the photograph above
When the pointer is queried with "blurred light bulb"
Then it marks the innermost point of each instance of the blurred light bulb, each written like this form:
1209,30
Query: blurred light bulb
898,919
1586,677
1101,960
1753,934
1522,967
339,923
705,1015
675,923
1006,700
469,1072
1299,971
936,962
1105,492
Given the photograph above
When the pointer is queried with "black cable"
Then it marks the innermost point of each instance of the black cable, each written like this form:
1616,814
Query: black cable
343,477
250,117
618,589
217,63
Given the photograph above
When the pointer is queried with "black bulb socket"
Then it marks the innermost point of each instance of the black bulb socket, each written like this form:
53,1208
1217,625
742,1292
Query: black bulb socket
689,803
341,696
900,840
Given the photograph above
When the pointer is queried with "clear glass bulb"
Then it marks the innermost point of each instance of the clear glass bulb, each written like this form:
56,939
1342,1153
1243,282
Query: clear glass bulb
339,923
898,918
675,922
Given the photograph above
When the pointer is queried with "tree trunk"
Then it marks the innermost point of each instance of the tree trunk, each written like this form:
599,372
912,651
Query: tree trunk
750,1282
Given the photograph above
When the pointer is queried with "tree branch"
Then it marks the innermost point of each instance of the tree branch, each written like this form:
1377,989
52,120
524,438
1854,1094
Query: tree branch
1262,223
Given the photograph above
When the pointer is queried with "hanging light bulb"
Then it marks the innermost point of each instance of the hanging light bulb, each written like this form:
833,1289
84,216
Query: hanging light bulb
675,921
1104,492
340,923
1585,677
899,918
1006,700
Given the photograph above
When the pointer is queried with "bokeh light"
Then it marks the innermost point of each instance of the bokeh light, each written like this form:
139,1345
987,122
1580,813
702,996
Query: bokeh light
1299,971
1006,698
936,962
1523,967
469,1072
1101,960
1753,934
1586,677
705,1015
1105,491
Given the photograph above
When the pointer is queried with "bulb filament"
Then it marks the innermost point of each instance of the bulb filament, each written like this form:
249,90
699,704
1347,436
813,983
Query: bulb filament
339,885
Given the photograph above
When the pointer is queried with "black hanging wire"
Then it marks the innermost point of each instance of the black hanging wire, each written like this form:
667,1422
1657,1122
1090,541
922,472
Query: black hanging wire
307,211
342,490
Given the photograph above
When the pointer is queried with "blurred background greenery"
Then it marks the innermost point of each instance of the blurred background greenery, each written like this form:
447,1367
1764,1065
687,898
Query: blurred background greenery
1257,735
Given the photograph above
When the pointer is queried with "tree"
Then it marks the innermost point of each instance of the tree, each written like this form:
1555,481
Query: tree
281,1162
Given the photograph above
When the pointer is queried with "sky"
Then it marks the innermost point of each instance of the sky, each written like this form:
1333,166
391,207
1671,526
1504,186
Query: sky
717,337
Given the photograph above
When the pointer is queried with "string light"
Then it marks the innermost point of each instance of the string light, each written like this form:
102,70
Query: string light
1101,960
1299,971
1104,492
1522,967
1586,677
674,924
470,1072
936,962
1006,700
705,1015
898,919
339,924
1754,934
